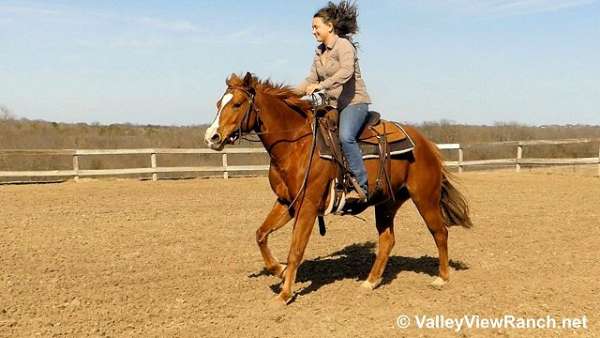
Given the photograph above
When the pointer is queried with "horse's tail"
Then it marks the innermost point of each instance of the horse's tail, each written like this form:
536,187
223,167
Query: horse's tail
455,209
453,204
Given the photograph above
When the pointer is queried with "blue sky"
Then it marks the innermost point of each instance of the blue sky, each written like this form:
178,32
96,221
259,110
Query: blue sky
165,62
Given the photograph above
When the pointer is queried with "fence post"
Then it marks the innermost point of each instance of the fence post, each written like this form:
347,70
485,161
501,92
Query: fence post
460,159
153,163
225,173
519,157
76,166
599,160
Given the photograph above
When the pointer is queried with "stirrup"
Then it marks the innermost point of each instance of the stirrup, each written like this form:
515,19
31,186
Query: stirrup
362,195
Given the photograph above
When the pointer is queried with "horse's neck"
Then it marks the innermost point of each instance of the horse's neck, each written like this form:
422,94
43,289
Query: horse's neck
283,130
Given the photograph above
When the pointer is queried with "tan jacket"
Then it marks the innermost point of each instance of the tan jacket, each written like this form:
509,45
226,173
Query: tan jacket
335,68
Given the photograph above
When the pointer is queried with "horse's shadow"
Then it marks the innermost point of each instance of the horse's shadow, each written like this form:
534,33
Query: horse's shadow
354,262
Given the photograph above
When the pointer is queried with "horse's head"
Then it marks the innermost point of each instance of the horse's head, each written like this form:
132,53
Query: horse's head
235,113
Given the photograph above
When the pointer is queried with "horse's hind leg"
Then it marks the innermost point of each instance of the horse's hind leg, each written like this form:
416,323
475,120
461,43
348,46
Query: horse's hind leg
430,209
278,217
384,218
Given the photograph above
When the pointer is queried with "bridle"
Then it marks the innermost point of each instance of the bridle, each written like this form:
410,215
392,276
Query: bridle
244,127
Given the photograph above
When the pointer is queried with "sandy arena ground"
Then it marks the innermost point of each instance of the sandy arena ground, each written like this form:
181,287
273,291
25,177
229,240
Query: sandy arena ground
178,258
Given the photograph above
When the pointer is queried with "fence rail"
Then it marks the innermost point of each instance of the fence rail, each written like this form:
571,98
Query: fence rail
154,169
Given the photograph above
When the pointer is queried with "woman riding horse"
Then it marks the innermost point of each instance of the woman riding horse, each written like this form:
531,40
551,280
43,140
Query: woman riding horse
335,70
301,181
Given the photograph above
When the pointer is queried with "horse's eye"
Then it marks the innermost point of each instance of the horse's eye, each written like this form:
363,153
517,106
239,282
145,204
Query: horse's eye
237,105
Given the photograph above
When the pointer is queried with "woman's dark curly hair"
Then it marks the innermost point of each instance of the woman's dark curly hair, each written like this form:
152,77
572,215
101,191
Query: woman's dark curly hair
342,16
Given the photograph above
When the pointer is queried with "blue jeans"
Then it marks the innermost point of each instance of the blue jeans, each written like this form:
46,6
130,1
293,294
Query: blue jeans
352,119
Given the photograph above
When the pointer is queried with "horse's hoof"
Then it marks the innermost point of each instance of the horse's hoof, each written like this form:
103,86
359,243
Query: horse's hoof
438,283
280,301
277,270
277,303
370,286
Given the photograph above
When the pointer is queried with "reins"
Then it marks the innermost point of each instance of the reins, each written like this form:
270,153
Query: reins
245,121
271,132
310,157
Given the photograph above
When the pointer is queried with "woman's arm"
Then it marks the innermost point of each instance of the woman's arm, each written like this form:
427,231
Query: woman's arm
312,78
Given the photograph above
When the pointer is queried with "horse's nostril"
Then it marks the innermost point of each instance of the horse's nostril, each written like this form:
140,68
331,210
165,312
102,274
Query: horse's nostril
215,138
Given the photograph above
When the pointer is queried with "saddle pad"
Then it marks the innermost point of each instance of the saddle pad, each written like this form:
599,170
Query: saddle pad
398,143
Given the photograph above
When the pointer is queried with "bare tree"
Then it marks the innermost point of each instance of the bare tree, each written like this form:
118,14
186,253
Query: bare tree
5,113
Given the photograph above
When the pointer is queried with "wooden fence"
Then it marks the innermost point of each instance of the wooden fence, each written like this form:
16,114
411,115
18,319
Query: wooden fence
155,170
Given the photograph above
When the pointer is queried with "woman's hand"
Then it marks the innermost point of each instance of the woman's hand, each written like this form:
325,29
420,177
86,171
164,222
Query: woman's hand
313,87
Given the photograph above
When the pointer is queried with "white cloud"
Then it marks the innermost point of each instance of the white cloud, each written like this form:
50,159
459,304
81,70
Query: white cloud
70,15
244,33
249,35
178,26
280,62
28,10
6,21
534,6
135,43
506,7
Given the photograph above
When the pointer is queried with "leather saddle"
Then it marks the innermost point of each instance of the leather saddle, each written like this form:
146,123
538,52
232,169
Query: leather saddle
374,132
375,127
378,139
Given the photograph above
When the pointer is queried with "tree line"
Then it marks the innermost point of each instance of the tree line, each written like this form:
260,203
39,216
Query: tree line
34,134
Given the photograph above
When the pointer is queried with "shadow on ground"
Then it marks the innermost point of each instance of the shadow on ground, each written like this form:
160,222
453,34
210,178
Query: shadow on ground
354,262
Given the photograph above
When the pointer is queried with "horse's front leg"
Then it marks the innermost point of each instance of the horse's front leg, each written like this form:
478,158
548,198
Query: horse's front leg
302,229
278,217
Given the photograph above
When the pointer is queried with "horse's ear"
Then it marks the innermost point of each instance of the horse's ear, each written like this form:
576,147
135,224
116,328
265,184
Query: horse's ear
247,82
230,79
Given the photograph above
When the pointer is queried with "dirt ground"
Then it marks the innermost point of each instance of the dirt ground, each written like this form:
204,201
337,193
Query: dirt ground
179,258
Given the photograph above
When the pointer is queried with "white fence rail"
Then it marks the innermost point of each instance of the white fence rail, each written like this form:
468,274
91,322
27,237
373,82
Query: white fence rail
154,169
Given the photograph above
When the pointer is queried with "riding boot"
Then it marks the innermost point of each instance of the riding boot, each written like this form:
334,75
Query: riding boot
359,193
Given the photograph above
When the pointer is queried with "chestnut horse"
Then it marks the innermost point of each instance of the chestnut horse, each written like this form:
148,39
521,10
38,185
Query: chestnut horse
301,181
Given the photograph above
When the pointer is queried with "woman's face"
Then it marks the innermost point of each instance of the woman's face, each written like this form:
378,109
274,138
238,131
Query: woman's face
320,29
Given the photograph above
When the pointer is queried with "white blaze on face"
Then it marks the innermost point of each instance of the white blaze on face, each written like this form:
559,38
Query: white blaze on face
212,130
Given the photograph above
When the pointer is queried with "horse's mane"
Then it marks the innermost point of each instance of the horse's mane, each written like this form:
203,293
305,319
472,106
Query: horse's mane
281,91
